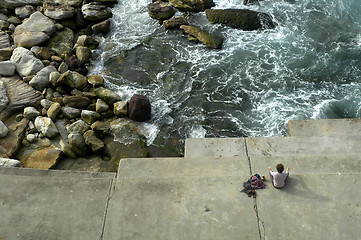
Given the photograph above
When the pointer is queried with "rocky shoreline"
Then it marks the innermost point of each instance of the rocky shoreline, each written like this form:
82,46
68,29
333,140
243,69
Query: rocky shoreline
52,113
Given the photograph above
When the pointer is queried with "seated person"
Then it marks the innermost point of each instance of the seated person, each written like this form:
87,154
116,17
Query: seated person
278,178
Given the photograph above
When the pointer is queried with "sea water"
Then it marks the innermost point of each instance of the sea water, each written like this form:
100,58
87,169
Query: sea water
308,67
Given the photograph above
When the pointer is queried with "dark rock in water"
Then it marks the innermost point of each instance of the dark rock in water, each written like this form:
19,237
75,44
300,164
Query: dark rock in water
250,2
102,27
175,22
139,108
160,10
75,64
208,39
79,19
192,5
240,18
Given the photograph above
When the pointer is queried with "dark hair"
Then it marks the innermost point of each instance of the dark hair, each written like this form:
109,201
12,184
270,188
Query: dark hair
280,167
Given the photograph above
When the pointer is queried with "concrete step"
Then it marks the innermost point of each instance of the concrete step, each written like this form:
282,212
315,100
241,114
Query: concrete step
325,127
215,147
183,167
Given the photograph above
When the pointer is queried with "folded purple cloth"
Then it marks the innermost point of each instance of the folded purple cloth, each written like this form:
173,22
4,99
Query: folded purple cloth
257,183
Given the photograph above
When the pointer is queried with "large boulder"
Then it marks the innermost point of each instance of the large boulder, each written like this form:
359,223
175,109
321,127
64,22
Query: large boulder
4,100
192,5
160,10
244,19
10,145
96,12
42,155
11,4
46,126
58,11
25,62
210,40
139,108
7,68
62,42
101,106
41,80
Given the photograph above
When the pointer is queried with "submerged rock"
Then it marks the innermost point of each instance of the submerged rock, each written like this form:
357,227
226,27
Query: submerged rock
139,108
240,18
210,40
192,5
160,10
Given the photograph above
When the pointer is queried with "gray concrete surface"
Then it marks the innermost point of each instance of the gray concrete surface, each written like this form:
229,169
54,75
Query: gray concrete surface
215,147
325,127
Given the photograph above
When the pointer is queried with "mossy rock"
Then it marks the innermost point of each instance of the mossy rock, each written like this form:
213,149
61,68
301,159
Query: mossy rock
210,40
62,42
192,5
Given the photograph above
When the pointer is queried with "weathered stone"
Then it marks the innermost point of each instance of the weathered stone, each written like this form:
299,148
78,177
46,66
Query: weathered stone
62,42
4,40
3,17
139,108
175,22
5,53
76,65
107,95
54,110
192,5
32,138
56,59
70,112
250,2
84,54
77,144
76,102
101,106
90,95
76,92
31,113
7,162
63,68
11,4
25,62
14,20
3,130
96,12
100,128
244,19
53,78
40,157
66,80
78,127
101,1
80,81
7,68
43,53
92,141
160,10
4,100
67,149
73,3
46,126
121,108
24,11
29,39
4,25
102,27
37,23
96,80
90,116
41,80
87,41
58,11
10,144
210,40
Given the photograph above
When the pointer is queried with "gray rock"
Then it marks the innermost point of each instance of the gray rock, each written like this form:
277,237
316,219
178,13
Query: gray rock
4,40
76,102
45,103
32,138
63,68
121,108
210,40
7,162
62,42
96,12
37,23
73,3
41,80
77,144
29,39
70,112
160,10
101,106
53,110
3,130
80,81
24,11
192,5
4,100
7,68
11,4
31,113
58,11
102,27
100,128
87,41
66,80
4,25
46,126
25,62
76,92
14,20
92,141
84,54
175,22
3,17
78,127
90,116
107,95
53,78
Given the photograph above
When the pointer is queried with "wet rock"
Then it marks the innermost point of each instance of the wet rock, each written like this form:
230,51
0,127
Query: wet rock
80,81
77,144
101,106
250,2
96,80
100,128
78,127
210,40
58,11
102,27
4,40
62,42
121,108
41,80
25,62
96,12
3,130
244,19
4,100
70,112
54,110
139,108
67,149
7,68
24,11
88,41
31,113
192,5
92,141
76,102
11,4
32,138
7,162
107,95
46,126
76,65
175,22
160,10
84,54
90,116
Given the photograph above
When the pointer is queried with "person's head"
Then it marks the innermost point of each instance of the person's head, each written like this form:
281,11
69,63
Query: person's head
280,168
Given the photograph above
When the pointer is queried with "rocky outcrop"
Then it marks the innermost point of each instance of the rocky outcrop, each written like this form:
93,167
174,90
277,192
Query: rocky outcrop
160,10
10,144
210,40
244,19
139,108
192,5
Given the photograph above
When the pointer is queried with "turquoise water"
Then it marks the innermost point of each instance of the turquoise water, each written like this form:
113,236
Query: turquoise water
309,67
